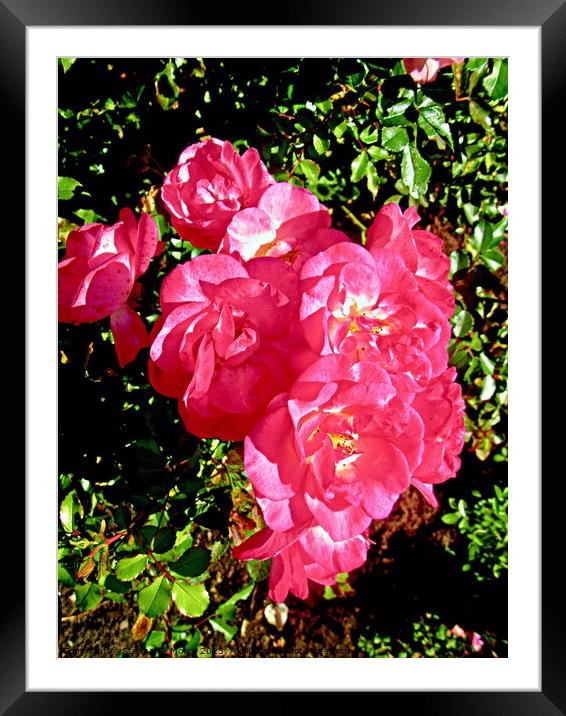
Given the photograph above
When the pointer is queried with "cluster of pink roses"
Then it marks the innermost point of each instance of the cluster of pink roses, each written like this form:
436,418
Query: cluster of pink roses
328,358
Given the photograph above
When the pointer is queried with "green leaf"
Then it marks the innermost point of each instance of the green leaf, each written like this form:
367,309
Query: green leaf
164,540
311,170
122,517
472,213
451,519
394,198
115,585
192,563
476,63
372,179
475,343
462,324
340,129
359,166
193,640
415,172
146,534
487,364
320,144
64,576
66,187
482,237
396,114
228,609
325,106
493,259
369,135
458,260
377,153
496,83
432,120
399,108
130,567
242,594
155,639
67,63
89,596
89,216
217,550
356,78
191,599
477,69
154,599
70,507
488,388
219,625
480,116
394,138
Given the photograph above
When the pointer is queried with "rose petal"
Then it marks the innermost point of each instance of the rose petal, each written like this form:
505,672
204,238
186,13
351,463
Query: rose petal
130,334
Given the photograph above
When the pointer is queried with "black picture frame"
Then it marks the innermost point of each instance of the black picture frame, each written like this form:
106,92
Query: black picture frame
550,17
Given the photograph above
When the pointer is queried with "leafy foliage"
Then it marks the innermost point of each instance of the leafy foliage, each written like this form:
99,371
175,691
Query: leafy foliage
427,637
484,525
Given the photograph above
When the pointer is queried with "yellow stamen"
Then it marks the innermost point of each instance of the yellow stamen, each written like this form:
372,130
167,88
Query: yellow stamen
346,443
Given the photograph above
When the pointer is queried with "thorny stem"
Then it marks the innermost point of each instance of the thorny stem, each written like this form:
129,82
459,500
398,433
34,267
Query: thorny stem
299,160
202,621
354,219
160,566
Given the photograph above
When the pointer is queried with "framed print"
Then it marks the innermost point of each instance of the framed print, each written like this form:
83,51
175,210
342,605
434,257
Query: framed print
137,552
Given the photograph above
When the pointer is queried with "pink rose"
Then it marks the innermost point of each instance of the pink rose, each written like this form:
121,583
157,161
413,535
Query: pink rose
97,277
422,252
288,222
336,451
425,69
441,409
210,183
225,345
368,305
477,642
303,554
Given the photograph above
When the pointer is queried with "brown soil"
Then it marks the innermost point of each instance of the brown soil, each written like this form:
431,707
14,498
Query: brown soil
103,632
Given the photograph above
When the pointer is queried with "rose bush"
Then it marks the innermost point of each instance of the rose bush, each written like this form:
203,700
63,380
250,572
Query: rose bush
328,358
149,513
